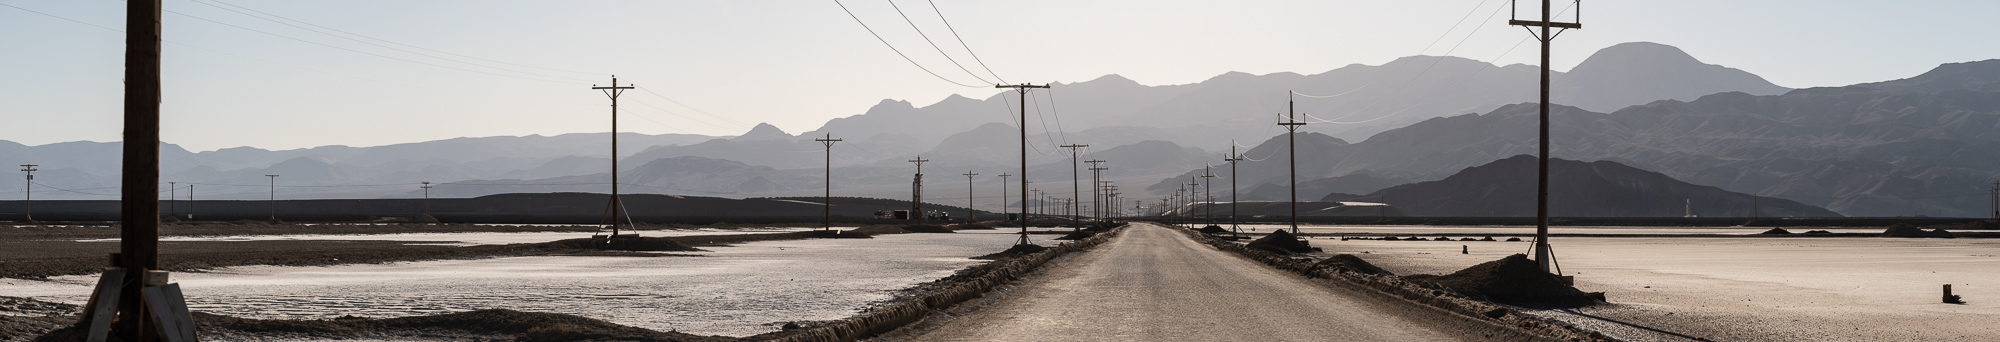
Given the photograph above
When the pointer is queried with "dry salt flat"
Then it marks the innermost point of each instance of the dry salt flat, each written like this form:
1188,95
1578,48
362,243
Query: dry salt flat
735,291
1760,289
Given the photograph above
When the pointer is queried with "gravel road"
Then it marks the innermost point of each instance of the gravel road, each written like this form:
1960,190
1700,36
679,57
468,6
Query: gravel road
1154,284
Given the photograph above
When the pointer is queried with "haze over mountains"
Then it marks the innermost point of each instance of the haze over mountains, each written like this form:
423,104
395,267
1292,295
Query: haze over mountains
1904,147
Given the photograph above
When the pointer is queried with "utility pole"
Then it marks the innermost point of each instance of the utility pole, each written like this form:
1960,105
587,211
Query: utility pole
1003,197
1996,200
1542,250
617,206
30,169
917,192
968,195
139,204
191,202
826,208
1292,124
1075,187
1208,198
1023,90
427,199
274,197
1096,196
1232,159
1037,199
171,194
1194,196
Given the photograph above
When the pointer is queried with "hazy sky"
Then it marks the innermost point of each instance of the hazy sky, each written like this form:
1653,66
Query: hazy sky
796,64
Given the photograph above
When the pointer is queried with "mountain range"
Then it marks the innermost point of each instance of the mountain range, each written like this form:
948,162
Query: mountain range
1902,147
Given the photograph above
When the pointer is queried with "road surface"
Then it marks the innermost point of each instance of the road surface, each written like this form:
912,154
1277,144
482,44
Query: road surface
1154,284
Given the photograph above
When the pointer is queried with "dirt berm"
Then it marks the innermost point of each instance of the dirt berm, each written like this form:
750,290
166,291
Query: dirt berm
1282,241
1511,280
481,325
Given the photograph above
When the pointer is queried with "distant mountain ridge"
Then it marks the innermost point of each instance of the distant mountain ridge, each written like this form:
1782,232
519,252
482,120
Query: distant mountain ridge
1506,188
1879,149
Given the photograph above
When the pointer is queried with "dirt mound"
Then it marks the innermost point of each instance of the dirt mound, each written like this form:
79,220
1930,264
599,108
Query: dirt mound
1281,241
481,324
1512,280
1213,230
633,244
1818,232
1079,235
851,234
1016,251
1906,230
1351,263
1776,231
926,228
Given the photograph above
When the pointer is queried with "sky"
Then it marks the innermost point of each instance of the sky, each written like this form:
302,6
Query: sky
295,74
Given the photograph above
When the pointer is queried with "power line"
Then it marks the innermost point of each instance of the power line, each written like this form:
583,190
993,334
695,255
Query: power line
892,47
1427,47
408,45
367,42
961,42
362,52
696,110
927,39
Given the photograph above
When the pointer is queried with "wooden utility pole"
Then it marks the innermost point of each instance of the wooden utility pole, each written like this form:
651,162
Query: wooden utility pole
1996,200
1292,124
617,205
1194,195
1003,197
427,199
826,204
968,195
1232,159
1075,185
917,192
139,232
1023,90
173,191
1542,252
1208,198
30,210
274,198
1096,196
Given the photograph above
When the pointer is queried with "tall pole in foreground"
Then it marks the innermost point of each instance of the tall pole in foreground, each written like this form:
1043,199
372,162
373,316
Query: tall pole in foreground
1075,188
1546,35
30,169
139,235
1292,124
274,197
617,206
1023,90
917,192
1232,159
968,195
826,204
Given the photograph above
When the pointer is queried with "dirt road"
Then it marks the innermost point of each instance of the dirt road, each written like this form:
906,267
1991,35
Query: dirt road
1154,284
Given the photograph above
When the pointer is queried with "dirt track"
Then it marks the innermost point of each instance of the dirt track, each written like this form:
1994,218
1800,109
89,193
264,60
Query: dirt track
1154,284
